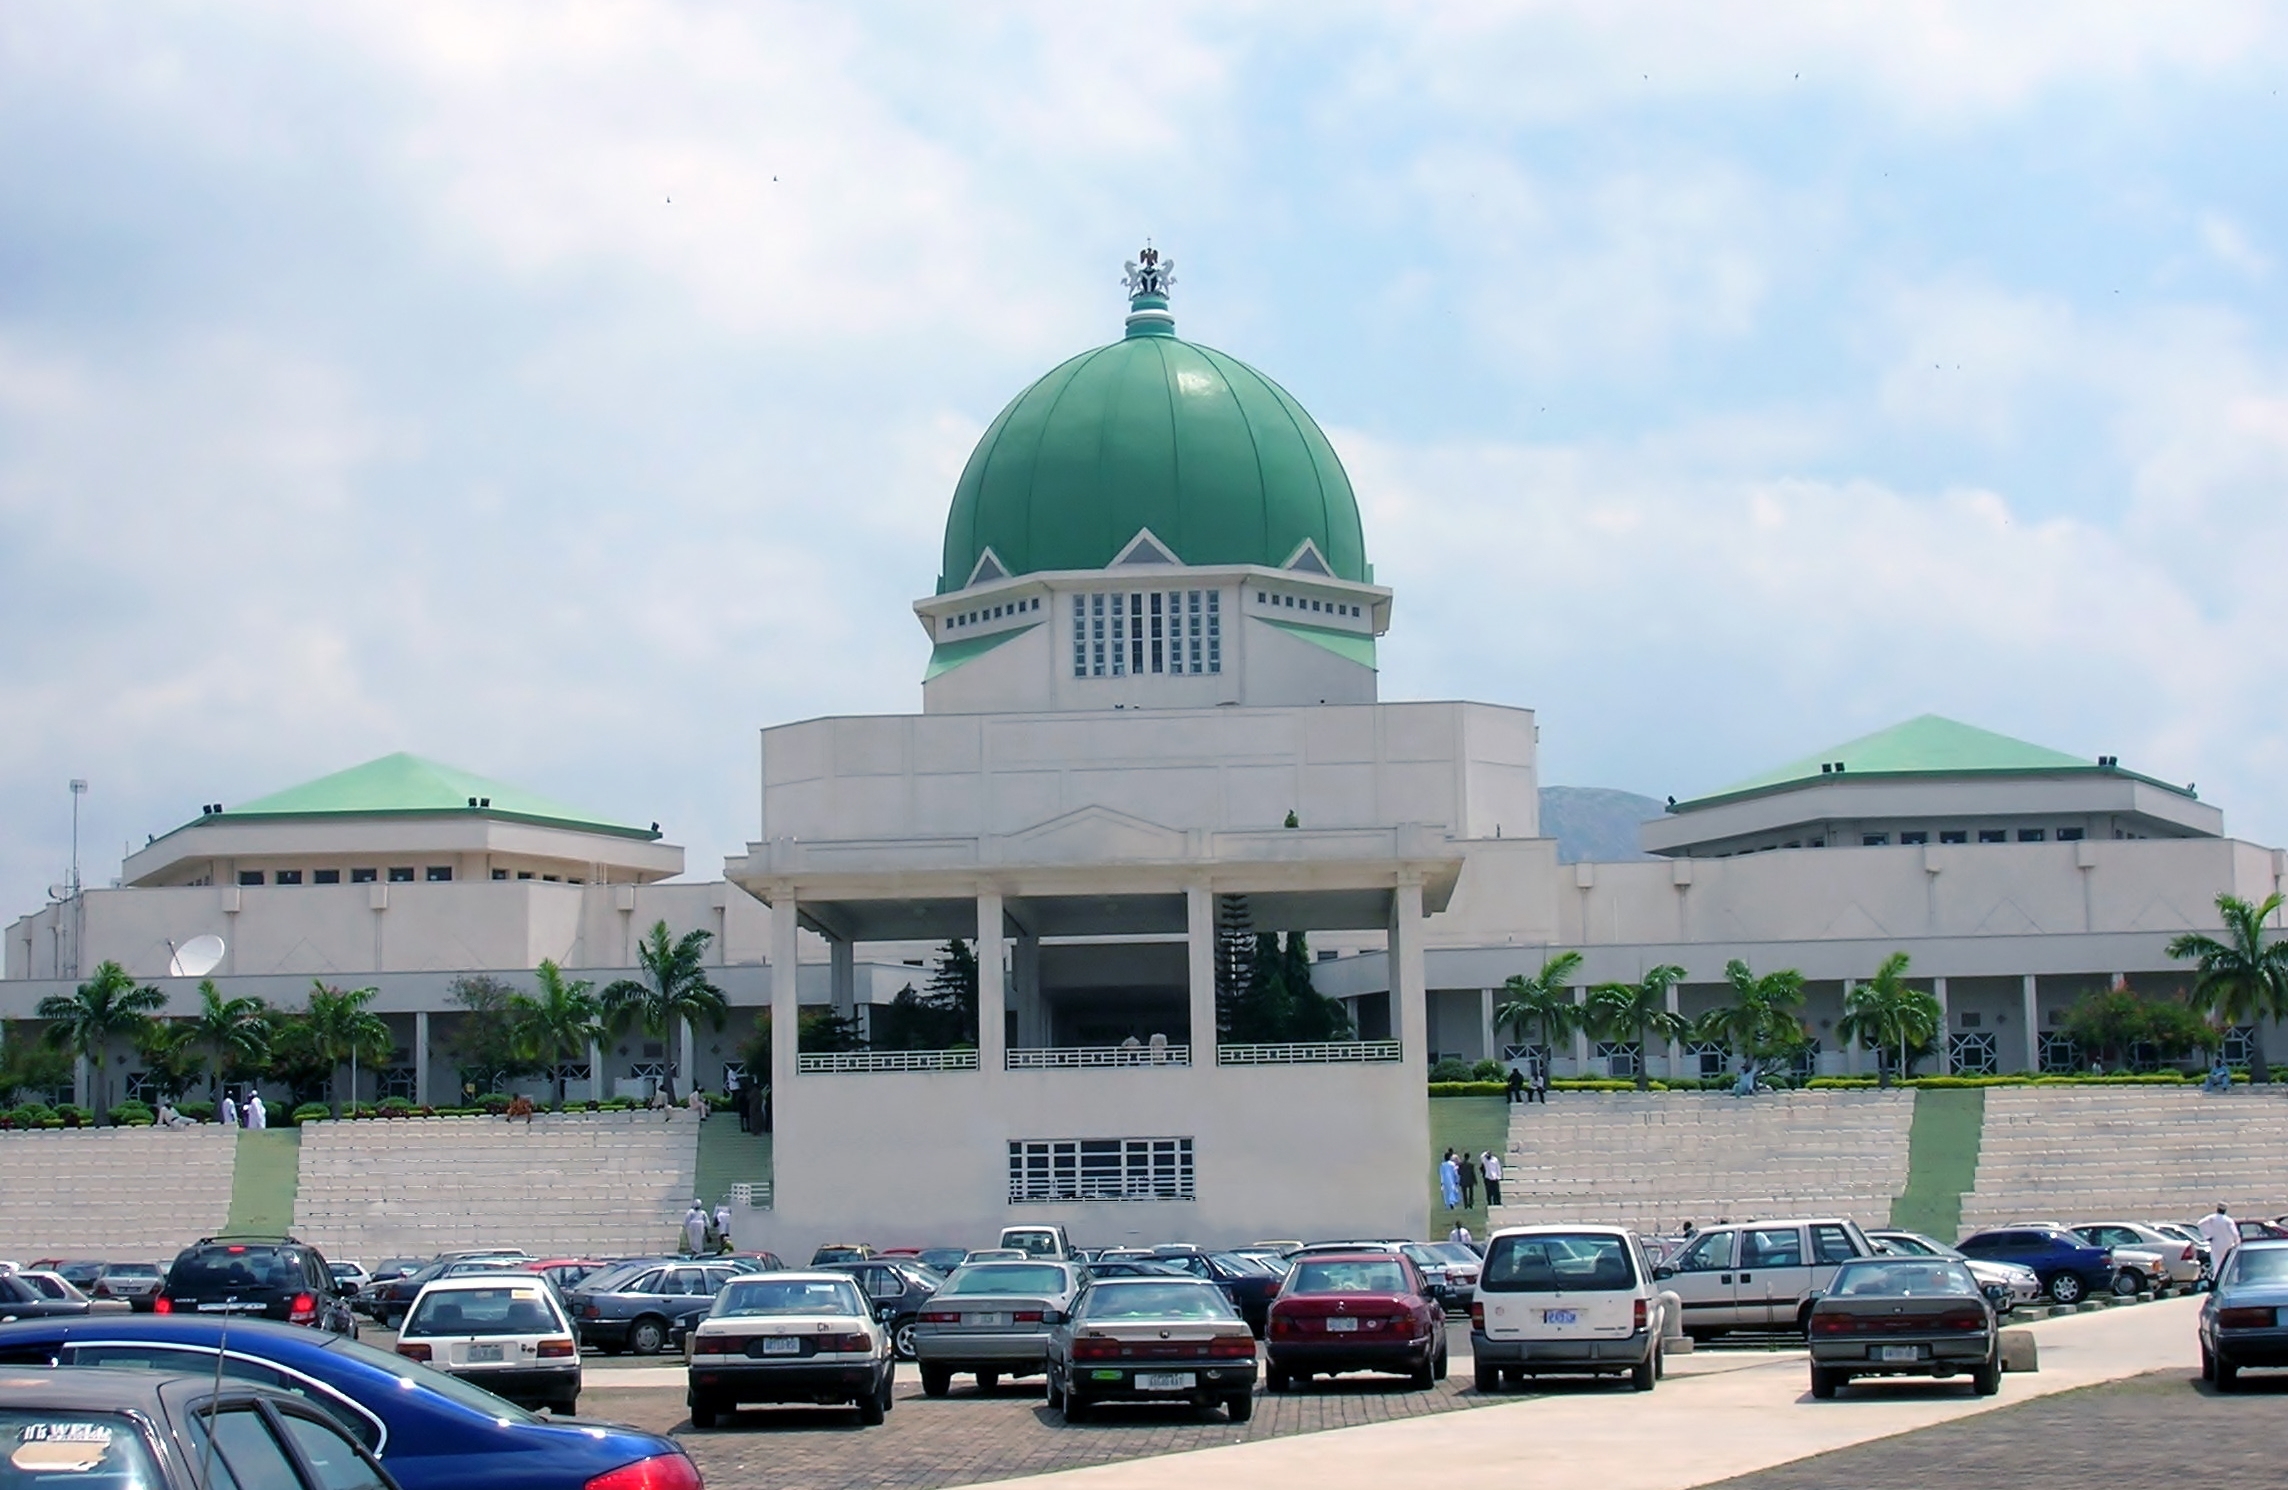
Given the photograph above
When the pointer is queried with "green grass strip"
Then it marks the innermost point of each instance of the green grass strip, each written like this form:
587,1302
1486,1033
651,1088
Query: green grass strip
728,1157
1942,1160
1469,1125
264,1179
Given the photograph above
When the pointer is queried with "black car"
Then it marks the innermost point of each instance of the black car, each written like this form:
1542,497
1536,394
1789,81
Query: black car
20,1300
896,1288
1249,1284
386,1302
278,1278
159,1431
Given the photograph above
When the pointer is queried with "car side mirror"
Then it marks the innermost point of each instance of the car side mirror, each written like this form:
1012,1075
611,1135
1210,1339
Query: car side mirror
1052,1316
1996,1293
1663,1273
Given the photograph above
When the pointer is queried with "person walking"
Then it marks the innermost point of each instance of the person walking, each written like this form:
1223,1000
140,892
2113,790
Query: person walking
227,1113
1516,1085
2222,1233
695,1228
1469,1178
1460,1233
723,1224
1450,1181
1489,1164
257,1118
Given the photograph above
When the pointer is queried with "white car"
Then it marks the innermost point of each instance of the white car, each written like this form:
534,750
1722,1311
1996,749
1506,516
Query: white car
788,1337
504,1332
1570,1300
2024,1284
352,1276
2176,1262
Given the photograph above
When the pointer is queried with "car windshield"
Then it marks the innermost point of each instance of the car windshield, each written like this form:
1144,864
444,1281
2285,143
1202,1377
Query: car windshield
2260,1265
1549,1261
1148,1299
223,1270
1348,1275
1897,1278
749,1298
511,1309
48,1448
413,1374
612,1275
1029,1278
1031,1243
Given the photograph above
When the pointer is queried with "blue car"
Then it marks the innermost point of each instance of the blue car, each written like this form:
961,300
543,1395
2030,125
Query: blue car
430,1430
2070,1268
2244,1320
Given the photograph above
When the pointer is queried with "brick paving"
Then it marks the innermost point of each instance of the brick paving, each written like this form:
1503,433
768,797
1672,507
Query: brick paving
2161,1431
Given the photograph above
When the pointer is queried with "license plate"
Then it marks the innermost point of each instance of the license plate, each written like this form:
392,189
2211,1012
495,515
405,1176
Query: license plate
1560,1316
484,1353
1342,1326
1104,1376
782,1345
1898,1353
1164,1381
989,1321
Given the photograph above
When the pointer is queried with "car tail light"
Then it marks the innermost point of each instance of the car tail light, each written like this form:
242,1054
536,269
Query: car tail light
845,1343
1026,1316
1232,1348
591,1311
1638,1318
659,1472
1282,1324
1477,1316
304,1309
1961,1319
1834,1324
413,1350
941,1316
557,1350
2246,1319
2187,1254
718,1345
162,1305
1096,1348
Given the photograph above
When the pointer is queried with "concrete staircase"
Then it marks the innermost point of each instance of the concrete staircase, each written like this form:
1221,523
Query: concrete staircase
1656,1160
2130,1153
579,1184
123,1194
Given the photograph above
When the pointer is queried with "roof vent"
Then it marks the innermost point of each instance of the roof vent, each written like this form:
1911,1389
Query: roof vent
484,801
472,801
1825,768
2109,762
1839,768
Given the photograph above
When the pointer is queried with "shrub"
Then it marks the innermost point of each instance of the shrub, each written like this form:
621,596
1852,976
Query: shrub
32,1114
395,1107
1452,1068
133,1113
1467,1088
494,1103
309,1112
197,1112
1489,1071
71,1116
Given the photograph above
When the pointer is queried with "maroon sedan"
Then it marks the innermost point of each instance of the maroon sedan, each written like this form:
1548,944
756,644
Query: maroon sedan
1355,1311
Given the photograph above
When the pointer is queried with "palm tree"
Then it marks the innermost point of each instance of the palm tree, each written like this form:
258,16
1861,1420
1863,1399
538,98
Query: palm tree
1762,1018
675,987
1885,1012
107,1007
1634,1010
2243,979
558,1022
1546,999
341,1029
232,1032
171,1059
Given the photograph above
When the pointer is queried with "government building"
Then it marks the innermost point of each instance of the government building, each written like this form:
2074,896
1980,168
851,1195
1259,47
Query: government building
1151,704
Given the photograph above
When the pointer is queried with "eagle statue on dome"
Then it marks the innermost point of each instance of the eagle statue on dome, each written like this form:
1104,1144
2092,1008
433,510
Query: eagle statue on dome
1149,274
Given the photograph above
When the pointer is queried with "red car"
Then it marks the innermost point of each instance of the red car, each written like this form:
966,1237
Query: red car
1354,1311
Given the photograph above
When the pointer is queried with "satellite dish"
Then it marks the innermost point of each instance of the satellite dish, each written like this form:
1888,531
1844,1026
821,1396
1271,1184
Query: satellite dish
195,958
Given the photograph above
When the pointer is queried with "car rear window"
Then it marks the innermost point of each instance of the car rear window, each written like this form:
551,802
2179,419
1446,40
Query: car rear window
513,1309
1349,1275
46,1448
762,1297
1552,1261
1145,1299
1903,1278
131,1270
239,1268
2260,1265
1006,1277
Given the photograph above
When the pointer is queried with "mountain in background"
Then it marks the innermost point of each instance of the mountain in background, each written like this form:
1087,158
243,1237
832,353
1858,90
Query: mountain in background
1595,822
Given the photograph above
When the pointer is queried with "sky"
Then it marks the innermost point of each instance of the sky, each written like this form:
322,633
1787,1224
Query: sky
567,391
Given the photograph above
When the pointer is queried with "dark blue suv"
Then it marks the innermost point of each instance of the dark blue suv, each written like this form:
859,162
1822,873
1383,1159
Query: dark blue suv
2070,1268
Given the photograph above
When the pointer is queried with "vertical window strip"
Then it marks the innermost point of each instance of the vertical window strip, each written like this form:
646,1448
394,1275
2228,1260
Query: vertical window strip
1158,621
1136,634
1096,636
1119,635
1080,636
1215,631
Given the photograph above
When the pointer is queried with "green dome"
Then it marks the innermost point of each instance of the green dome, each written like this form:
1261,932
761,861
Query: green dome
1221,463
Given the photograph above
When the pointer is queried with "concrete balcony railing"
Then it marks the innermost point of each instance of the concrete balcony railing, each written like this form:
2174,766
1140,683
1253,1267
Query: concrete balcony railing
1068,1057
1310,1053
839,1062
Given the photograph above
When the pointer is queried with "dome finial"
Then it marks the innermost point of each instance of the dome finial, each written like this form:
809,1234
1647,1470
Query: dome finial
1149,278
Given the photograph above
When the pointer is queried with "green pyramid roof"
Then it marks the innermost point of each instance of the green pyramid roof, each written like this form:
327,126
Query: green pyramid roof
1925,746
404,784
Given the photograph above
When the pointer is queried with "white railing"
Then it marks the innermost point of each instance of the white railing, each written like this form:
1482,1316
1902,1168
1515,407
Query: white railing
754,1196
1309,1053
1046,1058
838,1061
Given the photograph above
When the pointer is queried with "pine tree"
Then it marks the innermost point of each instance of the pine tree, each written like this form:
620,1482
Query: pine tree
1235,960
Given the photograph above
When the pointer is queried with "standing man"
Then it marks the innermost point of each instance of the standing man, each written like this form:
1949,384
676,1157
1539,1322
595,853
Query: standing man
2222,1233
227,1113
1469,1168
1516,1086
723,1224
695,1228
1450,1182
1490,1163
256,1117
1541,1082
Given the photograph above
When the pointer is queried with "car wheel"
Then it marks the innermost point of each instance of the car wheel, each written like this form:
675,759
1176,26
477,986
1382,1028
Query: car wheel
1424,1376
1075,1406
2208,1364
1824,1383
1439,1371
1274,1379
1241,1406
902,1338
936,1381
1488,1378
704,1413
647,1336
2227,1375
2128,1282
2066,1288
566,1407
988,1382
1645,1372
870,1409
1986,1380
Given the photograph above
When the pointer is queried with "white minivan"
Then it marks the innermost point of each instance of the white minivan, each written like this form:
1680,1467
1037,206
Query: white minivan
1568,1300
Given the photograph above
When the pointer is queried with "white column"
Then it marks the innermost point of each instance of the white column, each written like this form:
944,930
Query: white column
786,1001
687,1061
992,983
1675,1049
1850,1051
595,1070
1580,1035
1486,1045
2033,1013
1409,992
1032,1013
1945,1029
421,1058
1200,970
842,975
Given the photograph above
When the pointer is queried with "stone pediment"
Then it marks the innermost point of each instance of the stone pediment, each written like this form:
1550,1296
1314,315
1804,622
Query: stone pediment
1092,835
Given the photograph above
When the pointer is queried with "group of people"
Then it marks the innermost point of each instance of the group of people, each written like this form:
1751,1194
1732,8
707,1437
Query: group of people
1534,1088
1459,1174
250,1114
705,1235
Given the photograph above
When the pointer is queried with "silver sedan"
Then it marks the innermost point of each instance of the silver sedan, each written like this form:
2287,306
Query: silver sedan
992,1319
